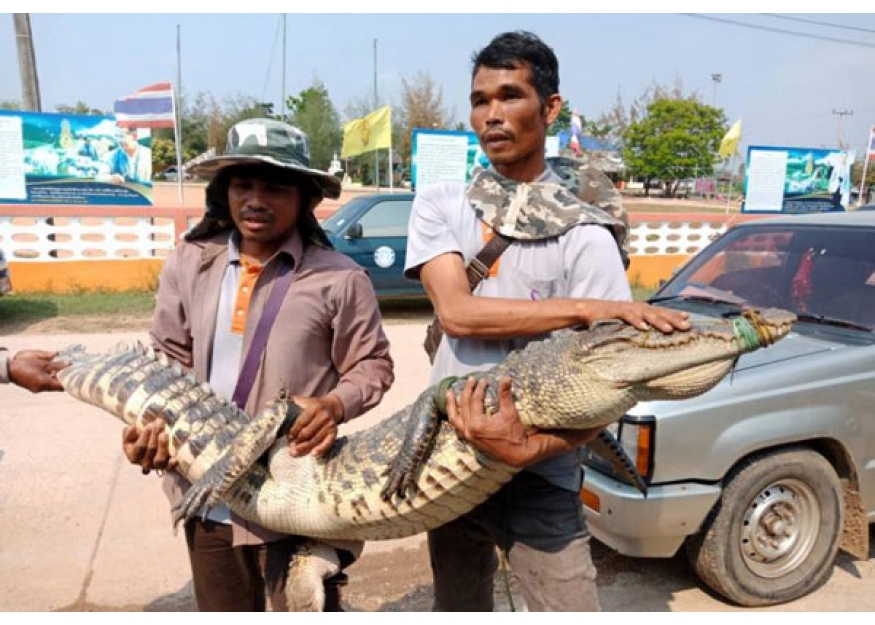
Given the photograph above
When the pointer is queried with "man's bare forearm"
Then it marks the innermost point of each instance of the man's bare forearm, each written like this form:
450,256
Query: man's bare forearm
493,318
465,315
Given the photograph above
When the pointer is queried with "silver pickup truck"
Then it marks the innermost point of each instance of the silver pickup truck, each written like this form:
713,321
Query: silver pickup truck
763,478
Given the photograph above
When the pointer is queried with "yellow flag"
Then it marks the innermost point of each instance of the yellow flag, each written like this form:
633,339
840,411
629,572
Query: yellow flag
730,142
368,133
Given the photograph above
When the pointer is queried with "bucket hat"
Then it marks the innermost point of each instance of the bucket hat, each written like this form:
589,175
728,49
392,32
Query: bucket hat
255,141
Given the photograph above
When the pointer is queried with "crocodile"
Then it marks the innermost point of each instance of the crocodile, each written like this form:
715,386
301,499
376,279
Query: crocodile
410,472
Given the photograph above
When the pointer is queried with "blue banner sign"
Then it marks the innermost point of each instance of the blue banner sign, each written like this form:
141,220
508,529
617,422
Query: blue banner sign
52,158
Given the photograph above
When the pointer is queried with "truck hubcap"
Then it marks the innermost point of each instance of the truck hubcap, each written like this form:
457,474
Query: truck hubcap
779,528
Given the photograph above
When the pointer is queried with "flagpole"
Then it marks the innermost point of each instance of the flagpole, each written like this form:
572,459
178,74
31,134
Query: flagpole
391,176
283,91
866,154
731,178
376,102
177,132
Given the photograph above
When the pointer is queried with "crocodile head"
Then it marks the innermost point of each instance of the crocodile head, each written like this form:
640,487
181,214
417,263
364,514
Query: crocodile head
611,367
681,363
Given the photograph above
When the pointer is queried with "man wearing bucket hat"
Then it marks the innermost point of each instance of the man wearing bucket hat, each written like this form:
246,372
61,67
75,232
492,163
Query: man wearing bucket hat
255,300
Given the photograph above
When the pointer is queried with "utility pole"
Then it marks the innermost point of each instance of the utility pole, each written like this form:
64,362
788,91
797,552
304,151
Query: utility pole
840,115
30,99
177,117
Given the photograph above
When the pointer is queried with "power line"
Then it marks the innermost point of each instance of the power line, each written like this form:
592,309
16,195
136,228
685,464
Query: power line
780,30
818,23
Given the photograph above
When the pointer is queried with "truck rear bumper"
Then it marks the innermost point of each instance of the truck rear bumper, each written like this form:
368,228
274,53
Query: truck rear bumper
654,527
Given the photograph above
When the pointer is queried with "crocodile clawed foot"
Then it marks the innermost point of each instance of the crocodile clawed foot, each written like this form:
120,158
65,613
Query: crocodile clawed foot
395,479
200,497
400,481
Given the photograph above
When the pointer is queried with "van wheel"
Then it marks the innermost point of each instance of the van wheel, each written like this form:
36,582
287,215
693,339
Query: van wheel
774,533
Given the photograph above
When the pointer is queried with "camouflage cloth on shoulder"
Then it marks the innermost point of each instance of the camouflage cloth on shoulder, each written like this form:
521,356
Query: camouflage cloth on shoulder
531,211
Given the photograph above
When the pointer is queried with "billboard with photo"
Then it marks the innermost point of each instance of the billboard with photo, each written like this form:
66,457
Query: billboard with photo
796,180
54,158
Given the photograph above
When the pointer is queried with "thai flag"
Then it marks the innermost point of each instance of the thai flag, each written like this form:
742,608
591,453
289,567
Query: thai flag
149,107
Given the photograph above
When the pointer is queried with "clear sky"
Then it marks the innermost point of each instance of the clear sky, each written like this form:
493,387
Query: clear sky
786,88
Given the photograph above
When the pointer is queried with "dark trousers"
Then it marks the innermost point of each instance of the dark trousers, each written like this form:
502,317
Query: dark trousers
243,578
542,530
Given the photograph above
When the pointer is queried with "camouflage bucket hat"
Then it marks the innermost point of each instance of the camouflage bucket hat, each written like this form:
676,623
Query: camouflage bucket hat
268,141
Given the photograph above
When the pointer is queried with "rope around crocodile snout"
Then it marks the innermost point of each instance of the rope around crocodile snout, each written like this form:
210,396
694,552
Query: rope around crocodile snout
751,331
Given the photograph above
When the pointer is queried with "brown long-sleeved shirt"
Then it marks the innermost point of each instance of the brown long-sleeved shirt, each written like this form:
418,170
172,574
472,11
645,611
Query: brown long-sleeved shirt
327,337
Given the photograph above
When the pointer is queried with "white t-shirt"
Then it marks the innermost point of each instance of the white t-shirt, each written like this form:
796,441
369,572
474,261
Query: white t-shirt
584,262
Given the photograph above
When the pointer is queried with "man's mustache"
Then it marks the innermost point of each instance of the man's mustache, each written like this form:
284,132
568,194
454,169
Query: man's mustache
491,134
254,214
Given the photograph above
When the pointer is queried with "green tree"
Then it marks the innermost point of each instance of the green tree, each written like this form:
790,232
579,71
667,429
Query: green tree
857,176
613,124
10,105
675,139
80,108
563,121
163,153
313,112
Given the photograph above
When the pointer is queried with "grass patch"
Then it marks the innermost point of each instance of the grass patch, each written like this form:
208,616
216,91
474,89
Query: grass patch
26,308
641,293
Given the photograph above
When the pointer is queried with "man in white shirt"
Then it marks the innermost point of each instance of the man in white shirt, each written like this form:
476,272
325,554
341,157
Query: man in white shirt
562,269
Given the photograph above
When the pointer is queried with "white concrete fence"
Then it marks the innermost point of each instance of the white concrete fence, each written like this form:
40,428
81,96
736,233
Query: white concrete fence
31,235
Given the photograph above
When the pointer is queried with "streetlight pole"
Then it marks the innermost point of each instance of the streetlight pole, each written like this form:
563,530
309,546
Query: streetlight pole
840,115
717,78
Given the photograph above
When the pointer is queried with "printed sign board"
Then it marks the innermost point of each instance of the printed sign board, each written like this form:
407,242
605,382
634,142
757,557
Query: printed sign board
796,180
444,156
451,155
52,158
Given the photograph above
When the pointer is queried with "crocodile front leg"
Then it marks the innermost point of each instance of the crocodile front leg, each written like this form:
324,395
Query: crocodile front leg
253,441
422,428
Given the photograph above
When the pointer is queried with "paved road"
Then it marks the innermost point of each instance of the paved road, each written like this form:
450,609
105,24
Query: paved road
83,530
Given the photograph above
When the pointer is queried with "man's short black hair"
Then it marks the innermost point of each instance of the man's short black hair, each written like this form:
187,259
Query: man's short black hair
512,49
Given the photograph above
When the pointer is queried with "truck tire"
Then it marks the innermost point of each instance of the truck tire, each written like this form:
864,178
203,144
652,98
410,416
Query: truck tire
774,533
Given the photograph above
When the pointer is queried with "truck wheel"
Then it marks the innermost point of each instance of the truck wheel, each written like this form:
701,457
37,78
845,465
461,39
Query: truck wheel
774,533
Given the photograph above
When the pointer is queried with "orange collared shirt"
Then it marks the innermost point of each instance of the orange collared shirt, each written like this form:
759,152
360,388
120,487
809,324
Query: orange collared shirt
250,269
